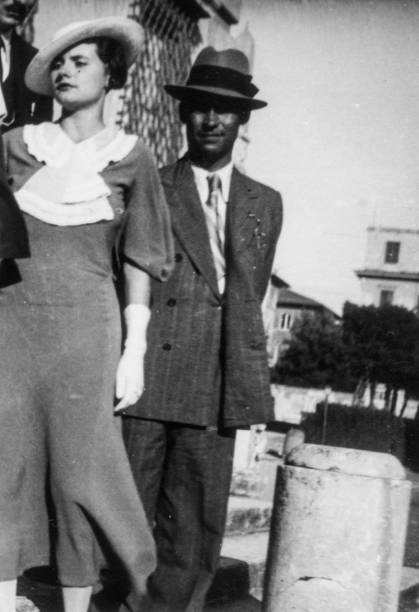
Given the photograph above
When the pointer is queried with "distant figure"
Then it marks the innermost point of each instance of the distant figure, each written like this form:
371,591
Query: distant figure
18,105
206,370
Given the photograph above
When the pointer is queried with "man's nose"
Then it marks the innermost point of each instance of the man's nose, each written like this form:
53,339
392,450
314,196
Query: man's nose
211,117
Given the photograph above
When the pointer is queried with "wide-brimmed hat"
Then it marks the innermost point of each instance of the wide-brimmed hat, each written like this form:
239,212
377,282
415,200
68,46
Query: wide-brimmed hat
126,31
221,74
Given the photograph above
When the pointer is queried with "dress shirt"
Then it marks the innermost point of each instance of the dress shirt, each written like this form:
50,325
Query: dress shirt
201,181
5,51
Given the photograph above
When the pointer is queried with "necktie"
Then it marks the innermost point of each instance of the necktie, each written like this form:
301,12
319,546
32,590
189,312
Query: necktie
215,227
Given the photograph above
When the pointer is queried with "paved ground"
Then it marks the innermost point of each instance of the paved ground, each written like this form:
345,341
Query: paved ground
47,598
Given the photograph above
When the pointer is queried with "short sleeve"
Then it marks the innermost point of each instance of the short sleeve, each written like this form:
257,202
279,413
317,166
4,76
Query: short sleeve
147,239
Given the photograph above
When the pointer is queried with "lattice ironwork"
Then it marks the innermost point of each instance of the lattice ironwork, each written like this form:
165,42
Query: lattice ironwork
170,36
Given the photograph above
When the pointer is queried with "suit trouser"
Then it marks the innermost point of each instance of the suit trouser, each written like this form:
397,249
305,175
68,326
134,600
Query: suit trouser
183,474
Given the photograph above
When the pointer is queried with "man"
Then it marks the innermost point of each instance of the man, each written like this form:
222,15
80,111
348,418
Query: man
18,105
206,368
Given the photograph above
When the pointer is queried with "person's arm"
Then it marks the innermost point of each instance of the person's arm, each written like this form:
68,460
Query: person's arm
146,250
130,372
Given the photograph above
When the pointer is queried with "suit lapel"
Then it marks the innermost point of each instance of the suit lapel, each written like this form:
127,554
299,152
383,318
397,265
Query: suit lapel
243,212
189,222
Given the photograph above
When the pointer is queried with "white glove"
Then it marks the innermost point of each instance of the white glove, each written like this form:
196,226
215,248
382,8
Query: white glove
130,372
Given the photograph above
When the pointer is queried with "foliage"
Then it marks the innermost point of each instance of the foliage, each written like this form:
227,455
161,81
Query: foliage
315,356
371,345
382,344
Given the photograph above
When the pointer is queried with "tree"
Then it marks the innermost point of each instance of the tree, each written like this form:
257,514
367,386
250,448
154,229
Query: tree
370,345
315,355
382,345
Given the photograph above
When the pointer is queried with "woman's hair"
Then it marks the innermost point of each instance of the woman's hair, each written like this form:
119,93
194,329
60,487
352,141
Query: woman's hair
112,54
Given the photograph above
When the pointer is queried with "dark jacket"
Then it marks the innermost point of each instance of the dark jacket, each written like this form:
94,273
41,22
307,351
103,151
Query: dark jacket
206,361
13,235
23,105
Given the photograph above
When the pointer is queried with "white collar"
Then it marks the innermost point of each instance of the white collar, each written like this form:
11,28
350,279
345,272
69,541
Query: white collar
200,175
48,143
7,41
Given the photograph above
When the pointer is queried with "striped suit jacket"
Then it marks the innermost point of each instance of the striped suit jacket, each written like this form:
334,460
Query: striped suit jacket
206,361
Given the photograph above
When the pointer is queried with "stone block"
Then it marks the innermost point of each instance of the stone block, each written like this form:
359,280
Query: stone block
337,533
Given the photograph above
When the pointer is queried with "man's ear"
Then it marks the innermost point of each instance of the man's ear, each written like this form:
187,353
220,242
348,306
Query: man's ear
244,117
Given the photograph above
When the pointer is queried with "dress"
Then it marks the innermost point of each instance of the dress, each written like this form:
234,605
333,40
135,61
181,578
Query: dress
60,338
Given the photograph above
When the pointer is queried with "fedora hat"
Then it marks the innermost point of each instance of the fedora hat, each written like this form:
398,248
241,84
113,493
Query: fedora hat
126,31
223,74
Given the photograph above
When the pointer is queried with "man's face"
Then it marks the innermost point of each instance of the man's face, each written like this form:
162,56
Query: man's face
212,127
14,12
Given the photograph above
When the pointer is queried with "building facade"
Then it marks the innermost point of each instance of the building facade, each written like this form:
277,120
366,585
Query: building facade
282,307
391,273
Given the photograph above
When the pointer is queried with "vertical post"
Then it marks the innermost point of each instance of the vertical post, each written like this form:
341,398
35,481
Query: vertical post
327,393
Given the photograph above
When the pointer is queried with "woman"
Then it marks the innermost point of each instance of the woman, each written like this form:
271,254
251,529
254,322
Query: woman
86,192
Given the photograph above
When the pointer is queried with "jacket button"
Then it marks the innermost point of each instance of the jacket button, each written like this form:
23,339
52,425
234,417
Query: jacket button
167,347
10,180
171,302
178,257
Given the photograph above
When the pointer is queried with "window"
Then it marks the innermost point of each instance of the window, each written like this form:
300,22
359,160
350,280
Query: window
392,252
386,297
285,321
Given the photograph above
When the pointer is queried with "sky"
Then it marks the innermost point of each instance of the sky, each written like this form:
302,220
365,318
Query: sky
339,138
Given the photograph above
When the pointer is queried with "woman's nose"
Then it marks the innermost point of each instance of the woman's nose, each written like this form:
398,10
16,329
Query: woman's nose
63,70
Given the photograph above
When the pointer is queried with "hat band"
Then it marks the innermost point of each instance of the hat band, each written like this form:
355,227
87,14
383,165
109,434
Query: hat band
219,77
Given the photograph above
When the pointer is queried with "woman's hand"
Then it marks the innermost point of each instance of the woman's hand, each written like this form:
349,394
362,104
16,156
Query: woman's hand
130,373
129,379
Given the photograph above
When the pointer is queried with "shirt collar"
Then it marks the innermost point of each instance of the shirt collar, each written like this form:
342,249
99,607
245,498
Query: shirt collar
7,40
224,173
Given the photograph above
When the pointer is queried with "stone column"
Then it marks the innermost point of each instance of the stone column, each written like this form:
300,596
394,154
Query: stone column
337,533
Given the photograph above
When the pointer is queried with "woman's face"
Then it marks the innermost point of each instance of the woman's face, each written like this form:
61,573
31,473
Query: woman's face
79,77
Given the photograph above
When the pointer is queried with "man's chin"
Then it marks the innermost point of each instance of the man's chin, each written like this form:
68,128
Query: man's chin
211,148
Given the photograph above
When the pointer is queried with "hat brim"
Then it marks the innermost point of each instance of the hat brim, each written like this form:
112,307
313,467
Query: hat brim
127,32
190,92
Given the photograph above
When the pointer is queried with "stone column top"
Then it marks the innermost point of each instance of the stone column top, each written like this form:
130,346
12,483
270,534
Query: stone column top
347,460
